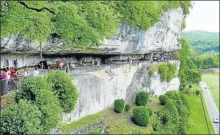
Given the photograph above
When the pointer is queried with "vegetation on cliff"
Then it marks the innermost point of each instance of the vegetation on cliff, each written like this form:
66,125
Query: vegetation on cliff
80,23
167,71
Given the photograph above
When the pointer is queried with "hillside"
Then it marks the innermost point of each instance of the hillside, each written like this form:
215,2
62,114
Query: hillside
203,41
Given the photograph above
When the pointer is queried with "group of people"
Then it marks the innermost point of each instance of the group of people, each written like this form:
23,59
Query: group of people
10,75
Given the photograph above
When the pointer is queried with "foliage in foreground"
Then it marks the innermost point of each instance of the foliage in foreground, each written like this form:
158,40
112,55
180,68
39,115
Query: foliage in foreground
22,117
63,87
39,92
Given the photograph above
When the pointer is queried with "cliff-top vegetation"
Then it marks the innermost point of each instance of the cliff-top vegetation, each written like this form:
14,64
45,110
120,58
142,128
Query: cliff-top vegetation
80,23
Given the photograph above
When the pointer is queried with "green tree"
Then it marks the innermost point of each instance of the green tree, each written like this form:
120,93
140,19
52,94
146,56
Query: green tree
22,117
64,89
39,92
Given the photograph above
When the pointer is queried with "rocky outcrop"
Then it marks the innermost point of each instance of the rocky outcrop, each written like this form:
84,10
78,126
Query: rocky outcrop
99,89
163,36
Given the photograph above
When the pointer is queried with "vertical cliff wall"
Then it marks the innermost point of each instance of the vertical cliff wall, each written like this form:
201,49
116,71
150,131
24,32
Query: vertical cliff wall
99,89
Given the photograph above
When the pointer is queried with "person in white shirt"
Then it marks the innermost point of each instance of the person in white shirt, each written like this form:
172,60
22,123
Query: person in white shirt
25,72
35,72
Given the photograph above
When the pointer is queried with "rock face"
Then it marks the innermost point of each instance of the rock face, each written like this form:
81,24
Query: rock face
163,36
99,89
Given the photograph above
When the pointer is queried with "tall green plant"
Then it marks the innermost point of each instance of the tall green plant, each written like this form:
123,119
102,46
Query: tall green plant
23,117
64,89
39,92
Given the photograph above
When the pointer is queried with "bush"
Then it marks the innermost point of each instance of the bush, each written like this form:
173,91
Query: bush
197,92
64,89
172,94
150,112
190,86
167,71
163,99
119,105
39,92
181,88
22,117
127,107
141,116
141,98
184,85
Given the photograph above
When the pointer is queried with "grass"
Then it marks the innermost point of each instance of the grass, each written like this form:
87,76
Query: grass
197,123
120,123
66,128
212,81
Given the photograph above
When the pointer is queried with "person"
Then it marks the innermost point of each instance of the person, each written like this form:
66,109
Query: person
61,65
48,68
73,66
14,74
25,72
57,64
4,74
67,67
8,72
35,73
42,68
14,78
15,63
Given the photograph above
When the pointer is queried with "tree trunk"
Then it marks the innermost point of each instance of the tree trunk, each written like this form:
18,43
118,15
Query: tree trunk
41,51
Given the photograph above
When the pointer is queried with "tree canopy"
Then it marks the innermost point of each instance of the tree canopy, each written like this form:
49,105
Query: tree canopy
79,23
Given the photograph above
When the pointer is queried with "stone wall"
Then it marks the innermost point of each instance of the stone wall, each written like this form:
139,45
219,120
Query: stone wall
99,89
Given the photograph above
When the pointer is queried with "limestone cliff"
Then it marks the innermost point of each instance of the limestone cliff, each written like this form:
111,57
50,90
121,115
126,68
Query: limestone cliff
99,89
163,36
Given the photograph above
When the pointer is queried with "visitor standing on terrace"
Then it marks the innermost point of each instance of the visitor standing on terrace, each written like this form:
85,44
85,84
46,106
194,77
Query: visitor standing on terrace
4,74
35,73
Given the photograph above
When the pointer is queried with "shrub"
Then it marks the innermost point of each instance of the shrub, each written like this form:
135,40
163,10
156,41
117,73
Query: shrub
172,94
127,107
152,68
190,86
197,92
141,98
150,112
39,92
163,71
22,117
184,85
163,99
181,88
167,71
141,116
119,105
64,89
